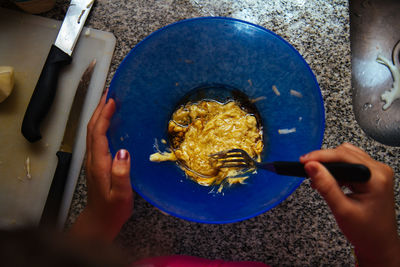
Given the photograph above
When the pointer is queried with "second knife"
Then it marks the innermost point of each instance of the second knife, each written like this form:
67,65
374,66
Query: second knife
56,192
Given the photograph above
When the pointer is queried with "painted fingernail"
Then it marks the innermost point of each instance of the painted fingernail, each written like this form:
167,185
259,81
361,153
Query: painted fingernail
122,154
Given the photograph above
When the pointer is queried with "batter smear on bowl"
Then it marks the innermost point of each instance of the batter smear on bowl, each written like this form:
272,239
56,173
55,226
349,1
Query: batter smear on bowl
200,129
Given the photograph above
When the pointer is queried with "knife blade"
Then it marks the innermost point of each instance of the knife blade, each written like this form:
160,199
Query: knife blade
52,206
58,57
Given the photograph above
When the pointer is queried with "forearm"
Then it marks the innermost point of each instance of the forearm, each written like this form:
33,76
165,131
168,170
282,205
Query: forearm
88,227
388,256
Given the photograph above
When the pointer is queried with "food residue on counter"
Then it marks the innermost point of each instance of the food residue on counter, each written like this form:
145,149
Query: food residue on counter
28,168
87,32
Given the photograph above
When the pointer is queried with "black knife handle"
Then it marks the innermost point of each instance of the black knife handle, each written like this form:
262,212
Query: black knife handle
341,171
52,207
44,93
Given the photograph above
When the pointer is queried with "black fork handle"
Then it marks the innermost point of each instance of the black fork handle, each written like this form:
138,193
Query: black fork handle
341,171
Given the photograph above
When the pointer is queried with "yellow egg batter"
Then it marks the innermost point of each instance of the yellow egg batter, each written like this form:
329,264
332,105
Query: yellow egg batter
200,129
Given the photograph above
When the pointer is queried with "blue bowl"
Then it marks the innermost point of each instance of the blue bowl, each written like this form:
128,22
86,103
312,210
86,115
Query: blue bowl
168,64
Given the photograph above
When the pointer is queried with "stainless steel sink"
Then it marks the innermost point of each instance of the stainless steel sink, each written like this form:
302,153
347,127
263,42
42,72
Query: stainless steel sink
374,31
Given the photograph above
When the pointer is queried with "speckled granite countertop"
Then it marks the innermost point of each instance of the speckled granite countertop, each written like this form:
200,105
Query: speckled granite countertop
301,230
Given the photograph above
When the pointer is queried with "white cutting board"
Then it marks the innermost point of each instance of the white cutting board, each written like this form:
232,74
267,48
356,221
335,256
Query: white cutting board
24,44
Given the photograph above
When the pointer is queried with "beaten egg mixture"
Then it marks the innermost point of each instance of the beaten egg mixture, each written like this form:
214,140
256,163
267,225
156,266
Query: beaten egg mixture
198,130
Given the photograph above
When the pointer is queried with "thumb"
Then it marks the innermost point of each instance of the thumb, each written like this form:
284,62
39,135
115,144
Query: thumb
120,173
326,185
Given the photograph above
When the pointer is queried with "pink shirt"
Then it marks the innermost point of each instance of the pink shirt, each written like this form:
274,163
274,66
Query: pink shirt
190,261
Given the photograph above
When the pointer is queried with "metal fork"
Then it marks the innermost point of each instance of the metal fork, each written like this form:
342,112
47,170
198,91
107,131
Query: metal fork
341,171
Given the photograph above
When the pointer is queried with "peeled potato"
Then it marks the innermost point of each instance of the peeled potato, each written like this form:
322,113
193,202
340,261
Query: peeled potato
6,81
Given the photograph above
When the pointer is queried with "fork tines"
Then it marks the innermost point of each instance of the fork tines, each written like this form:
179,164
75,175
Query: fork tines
228,153
233,158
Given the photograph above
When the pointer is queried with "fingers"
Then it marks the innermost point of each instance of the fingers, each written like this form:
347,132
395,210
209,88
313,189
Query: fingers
356,150
343,153
329,155
327,186
120,175
99,159
99,142
93,120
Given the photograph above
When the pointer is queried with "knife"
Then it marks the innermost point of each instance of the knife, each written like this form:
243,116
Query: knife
51,209
58,57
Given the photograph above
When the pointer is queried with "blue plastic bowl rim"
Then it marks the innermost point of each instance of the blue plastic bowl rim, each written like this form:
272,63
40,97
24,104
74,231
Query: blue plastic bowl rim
285,196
